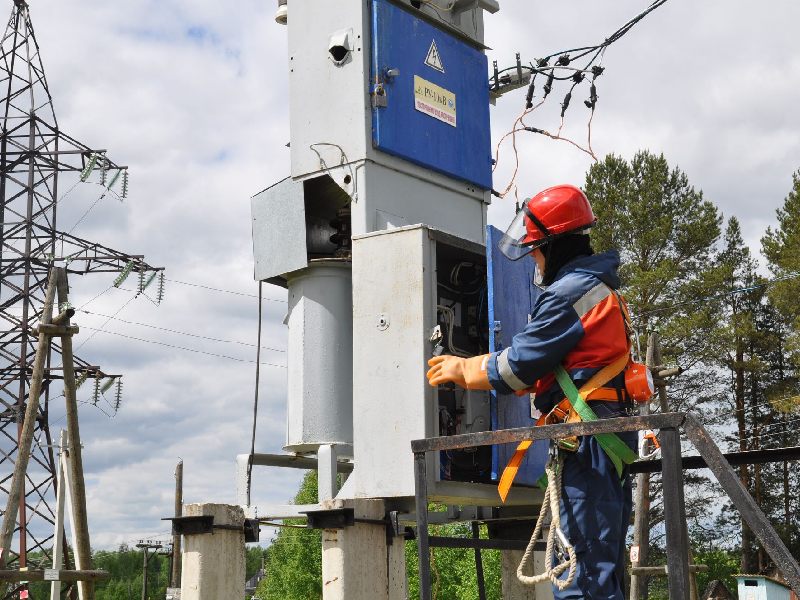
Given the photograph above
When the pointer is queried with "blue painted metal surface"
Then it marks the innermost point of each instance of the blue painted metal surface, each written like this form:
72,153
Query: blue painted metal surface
402,41
511,296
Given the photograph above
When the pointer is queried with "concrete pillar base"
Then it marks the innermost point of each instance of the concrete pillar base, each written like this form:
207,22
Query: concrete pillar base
513,588
213,564
357,563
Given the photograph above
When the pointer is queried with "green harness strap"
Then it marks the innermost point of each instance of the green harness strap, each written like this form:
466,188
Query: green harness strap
618,451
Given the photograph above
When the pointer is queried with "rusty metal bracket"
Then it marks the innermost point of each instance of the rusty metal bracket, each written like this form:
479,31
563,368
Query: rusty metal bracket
201,525
330,519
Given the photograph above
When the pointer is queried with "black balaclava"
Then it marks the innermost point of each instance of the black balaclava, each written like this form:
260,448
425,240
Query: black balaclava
561,251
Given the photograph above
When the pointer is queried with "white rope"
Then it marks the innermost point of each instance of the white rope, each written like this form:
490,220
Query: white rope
552,501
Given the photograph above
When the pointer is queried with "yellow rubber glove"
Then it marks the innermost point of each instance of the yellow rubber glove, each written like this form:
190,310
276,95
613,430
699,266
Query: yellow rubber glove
469,373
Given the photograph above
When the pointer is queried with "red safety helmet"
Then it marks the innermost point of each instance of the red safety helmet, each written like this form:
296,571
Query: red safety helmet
556,211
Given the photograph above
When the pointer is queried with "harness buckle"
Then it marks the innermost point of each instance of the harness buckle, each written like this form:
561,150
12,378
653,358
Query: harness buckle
554,417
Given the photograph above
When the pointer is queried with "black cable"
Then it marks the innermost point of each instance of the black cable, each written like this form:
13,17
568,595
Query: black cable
202,337
568,56
130,337
213,289
255,402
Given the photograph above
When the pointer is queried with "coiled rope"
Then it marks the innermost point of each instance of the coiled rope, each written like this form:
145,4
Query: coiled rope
551,502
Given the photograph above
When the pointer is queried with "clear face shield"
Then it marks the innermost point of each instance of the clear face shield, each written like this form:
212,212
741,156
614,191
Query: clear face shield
513,245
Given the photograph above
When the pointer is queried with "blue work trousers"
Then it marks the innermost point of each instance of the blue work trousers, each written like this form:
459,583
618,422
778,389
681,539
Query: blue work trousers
595,514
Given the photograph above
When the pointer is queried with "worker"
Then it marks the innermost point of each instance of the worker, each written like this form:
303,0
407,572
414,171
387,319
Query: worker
578,321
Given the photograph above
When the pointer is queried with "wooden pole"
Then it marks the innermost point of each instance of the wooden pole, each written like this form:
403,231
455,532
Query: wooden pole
641,515
175,576
29,424
144,571
662,397
84,550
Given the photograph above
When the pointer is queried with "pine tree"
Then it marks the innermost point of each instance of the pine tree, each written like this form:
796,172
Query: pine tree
666,233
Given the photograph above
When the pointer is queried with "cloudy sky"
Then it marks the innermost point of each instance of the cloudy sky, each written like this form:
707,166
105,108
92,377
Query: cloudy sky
192,96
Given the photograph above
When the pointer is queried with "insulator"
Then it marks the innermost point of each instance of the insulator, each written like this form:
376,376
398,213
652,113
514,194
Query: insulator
81,379
592,101
343,236
531,89
107,385
89,166
124,274
118,395
64,306
96,391
160,294
114,179
103,170
548,87
141,276
563,60
565,104
150,280
124,185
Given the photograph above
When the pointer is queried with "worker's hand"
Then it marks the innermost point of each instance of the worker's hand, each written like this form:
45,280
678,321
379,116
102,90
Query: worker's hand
446,368
469,373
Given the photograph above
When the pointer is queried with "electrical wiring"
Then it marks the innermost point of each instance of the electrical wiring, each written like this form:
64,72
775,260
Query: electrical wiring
437,7
206,287
513,134
179,347
577,75
96,297
106,323
203,337
450,324
791,275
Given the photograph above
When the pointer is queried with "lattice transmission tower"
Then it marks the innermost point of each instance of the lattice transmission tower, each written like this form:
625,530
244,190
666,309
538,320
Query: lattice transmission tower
33,153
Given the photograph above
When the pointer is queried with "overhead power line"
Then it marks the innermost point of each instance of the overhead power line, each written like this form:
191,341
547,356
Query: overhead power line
180,347
723,295
206,287
194,335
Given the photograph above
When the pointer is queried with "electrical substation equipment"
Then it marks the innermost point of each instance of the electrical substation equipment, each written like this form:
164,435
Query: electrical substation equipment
380,236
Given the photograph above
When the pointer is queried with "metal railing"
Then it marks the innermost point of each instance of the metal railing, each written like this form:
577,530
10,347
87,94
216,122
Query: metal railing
671,467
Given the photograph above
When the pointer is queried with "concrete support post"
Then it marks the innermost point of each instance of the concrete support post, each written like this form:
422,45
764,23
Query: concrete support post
357,563
513,587
214,563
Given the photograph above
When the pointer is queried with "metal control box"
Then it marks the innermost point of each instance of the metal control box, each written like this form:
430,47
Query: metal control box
430,96
400,283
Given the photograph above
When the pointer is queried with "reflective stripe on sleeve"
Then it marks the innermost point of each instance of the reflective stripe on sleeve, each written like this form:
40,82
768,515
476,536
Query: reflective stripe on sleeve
505,372
591,299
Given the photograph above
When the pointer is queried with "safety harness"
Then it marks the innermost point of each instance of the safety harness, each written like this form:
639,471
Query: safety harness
574,409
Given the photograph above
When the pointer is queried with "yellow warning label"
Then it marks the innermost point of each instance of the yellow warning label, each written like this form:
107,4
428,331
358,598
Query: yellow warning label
434,101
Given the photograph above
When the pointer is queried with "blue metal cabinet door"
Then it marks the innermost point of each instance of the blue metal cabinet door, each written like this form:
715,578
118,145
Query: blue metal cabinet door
511,296
433,110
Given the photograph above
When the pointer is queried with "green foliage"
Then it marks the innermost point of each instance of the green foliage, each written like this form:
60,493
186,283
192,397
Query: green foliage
294,560
722,564
663,227
124,568
453,569
667,234
782,249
